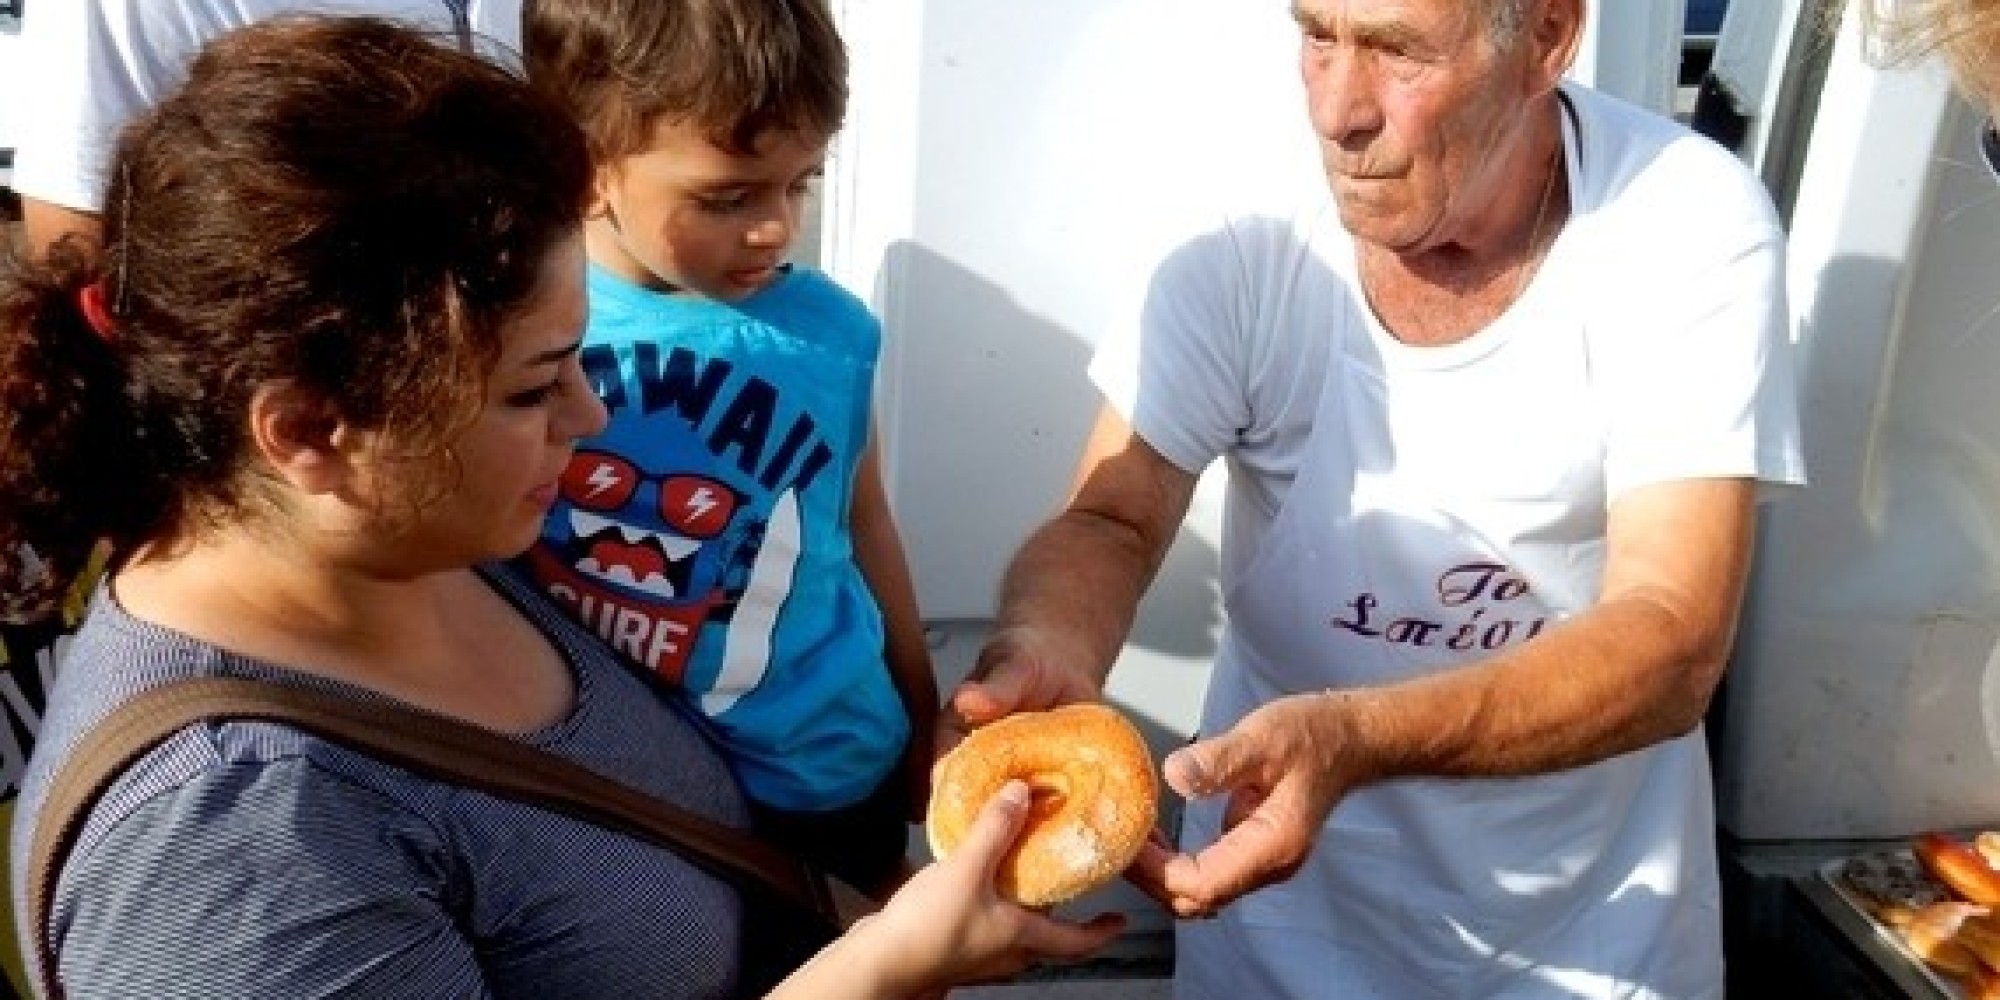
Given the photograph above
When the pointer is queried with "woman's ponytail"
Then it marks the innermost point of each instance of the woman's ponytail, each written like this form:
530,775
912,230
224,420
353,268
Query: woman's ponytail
72,476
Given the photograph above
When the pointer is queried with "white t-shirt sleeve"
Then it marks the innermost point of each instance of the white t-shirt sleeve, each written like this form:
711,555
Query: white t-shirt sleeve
1227,347
94,65
1174,370
1694,358
97,64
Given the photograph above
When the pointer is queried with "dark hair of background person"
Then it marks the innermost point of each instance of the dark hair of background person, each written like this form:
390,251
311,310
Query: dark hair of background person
737,70
337,203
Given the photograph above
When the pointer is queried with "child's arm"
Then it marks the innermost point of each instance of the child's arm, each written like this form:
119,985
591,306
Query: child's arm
878,551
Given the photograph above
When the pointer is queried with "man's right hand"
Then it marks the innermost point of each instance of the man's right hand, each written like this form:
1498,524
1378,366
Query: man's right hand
1024,669
1020,669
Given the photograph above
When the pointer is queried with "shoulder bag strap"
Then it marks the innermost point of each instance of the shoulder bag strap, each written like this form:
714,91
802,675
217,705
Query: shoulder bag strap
423,742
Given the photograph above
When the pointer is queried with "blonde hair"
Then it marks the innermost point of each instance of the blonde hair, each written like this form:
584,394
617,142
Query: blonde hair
1966,33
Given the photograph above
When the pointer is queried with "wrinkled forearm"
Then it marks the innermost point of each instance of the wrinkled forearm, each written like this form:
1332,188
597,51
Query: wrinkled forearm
1637,667
1079,577
1625,675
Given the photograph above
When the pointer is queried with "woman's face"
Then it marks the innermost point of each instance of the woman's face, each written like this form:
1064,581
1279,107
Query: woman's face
508,461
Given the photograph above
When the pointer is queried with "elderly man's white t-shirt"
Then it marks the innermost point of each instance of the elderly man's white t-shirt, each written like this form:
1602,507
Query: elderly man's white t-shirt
1395,511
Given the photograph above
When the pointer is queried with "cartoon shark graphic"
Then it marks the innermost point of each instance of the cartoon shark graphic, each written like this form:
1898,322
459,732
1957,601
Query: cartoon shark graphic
645,559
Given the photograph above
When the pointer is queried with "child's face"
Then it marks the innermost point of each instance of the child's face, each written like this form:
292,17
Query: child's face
686,215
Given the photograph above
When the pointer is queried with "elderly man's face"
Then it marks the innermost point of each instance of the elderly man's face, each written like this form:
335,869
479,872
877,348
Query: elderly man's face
1420,115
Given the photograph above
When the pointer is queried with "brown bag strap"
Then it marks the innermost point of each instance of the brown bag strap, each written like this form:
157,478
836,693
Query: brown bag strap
420,741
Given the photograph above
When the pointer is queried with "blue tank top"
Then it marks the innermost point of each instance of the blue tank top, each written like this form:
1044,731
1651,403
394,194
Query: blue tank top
704,534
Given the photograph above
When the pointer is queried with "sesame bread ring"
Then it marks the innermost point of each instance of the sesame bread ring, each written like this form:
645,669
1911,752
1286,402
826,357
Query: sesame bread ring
1094,798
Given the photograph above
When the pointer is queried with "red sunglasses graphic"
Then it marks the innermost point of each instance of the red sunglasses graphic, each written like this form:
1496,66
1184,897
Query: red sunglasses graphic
695,506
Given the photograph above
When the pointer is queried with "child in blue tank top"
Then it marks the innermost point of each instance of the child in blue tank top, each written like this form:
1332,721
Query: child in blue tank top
729,531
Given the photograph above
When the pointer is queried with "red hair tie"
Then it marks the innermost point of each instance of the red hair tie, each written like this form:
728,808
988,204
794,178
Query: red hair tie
90,300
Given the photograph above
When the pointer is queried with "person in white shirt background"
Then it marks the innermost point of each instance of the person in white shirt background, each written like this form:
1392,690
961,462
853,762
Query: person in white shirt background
88,66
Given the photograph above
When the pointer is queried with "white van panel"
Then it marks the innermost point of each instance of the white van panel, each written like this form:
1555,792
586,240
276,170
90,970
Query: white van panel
1863,698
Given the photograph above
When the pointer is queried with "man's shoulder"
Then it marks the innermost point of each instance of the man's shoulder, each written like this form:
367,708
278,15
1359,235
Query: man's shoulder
1633,162
1621,134
1258,240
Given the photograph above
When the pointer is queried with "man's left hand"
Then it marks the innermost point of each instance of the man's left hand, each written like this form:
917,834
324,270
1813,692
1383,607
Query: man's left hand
1284,766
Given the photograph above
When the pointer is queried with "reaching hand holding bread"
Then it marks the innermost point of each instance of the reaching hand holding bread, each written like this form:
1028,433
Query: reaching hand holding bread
1095,797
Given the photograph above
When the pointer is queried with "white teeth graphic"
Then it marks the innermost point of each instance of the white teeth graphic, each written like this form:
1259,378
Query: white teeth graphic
588,525
675,547
654,584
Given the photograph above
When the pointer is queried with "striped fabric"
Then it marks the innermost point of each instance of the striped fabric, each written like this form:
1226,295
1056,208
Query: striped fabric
251,860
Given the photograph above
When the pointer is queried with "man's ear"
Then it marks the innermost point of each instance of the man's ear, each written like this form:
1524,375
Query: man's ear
301,437
1556,31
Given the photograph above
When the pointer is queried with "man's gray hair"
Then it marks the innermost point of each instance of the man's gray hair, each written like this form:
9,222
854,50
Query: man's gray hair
1505,20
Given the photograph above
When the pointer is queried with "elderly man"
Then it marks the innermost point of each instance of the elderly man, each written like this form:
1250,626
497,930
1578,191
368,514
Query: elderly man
1496,405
